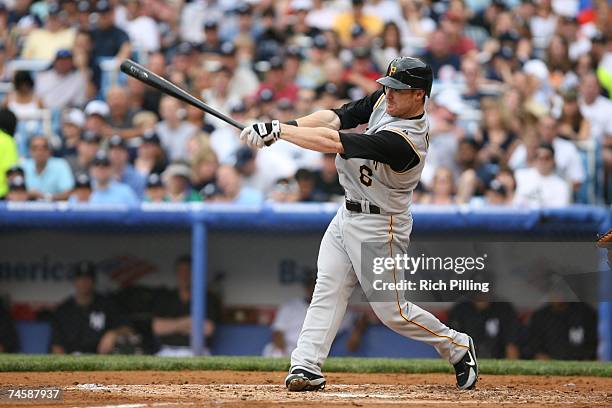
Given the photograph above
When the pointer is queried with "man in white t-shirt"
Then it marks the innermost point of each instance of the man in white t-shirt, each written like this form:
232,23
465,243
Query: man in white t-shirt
539,186
568,163
595,108
288,324
174,131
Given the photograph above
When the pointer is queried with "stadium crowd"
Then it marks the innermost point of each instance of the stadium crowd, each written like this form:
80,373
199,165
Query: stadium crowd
520,111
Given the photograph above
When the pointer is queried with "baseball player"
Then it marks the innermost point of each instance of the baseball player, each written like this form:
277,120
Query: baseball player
378,169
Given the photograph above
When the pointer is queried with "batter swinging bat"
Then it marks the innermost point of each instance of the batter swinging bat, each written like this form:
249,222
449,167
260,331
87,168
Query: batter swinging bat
139,72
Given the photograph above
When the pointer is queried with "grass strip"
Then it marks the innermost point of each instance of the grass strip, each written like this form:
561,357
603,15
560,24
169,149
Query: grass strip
20,362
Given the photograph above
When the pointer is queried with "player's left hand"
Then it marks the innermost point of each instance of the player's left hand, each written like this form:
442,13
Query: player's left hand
261,134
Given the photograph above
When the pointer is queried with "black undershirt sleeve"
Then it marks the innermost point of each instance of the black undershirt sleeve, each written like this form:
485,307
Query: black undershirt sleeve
385,146
357,112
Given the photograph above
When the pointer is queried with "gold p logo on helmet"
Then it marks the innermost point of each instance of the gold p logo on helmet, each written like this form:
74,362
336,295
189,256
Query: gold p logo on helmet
393,70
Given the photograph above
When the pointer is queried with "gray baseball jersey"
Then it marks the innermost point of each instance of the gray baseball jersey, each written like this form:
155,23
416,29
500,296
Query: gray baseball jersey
378,183
381,167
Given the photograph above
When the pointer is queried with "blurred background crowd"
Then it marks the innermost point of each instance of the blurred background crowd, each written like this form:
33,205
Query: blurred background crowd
520,111
139,319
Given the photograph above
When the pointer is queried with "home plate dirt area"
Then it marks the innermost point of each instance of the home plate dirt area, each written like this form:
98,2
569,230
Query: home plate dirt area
135,389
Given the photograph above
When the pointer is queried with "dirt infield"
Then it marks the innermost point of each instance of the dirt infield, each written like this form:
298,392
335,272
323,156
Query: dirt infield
135,389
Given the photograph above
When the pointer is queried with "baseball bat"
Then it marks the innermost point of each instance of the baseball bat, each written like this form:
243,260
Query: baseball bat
139,72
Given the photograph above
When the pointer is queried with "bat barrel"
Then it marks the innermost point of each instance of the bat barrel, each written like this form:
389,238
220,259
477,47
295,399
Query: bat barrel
139,72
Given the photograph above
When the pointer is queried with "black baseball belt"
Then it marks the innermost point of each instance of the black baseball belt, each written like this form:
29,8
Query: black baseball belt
356,206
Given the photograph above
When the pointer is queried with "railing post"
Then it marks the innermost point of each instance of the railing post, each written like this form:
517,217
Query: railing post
199,257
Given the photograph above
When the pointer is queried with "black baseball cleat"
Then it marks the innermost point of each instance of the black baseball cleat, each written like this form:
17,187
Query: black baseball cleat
302,380
466,369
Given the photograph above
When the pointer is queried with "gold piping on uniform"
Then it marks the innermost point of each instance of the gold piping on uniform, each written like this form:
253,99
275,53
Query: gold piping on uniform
379,101
399,307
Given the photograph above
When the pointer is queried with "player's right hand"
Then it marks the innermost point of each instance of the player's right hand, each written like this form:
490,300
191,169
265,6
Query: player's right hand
261,134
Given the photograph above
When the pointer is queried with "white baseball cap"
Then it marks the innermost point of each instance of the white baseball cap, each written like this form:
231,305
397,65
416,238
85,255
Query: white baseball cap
451,100
97,107
537,69
75,117
301,5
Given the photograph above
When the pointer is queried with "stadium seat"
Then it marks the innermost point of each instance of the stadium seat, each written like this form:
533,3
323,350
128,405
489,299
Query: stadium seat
34,337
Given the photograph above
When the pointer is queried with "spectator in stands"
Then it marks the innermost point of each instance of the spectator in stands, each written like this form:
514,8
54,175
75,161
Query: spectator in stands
443,188
156,64
22,101
596,108
568,163
230,183
204,168
276,81
212,43
14,171
123,171
244,82
174,131
218,95
225,140
344,22
8,334
285,190
44,43
146,120
335,87
539,185
562,331
155,192
497,194
8,147
297,27
17,190
177,178
472,175
444,134
82,189
389,45
196,117
81,57
444,63
62,85
494,325
307,183
109,41
472,75
48,178
246,164
290,317
361,73
416,25
140,27
106,189
73,122
505,176
151,157
96,117
120,116
172,314
572,124
327,179
86,149
496,137
543,24
86,322
311,74
21,10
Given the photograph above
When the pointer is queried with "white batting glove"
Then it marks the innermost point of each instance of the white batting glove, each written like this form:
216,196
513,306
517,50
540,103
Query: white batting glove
261,134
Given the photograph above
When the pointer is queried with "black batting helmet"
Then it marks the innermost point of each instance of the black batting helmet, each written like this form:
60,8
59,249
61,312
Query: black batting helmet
408,73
